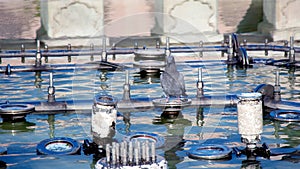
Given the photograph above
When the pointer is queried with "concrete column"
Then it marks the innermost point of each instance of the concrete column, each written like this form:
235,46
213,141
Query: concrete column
74,20
281,19
191,20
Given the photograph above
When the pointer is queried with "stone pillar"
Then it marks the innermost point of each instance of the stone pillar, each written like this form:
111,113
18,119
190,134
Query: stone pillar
281,19
71,20
191,21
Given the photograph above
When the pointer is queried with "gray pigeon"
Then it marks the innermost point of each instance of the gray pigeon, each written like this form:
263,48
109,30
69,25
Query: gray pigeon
171,80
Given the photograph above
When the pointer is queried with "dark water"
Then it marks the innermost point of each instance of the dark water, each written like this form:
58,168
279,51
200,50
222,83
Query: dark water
216,125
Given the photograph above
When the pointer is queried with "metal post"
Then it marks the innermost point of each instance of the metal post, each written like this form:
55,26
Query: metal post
107,151
157,45
277,94
130,153
46,50
200,84
136,46
153,153
285,44
147,158
104,54
230,50
51,89
245,42
292,50
38,55
266,45
168,52
201,49
104,115
113,47
8,69
22,51
92,49
126,87
222,44
113,154
69,48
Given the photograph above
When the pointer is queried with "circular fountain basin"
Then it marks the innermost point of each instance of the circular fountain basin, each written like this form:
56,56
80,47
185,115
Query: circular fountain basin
143,136
210,152
11,112
286,115
58,146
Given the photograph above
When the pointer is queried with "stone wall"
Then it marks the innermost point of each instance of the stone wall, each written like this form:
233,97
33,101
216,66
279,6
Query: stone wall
281,19
182,20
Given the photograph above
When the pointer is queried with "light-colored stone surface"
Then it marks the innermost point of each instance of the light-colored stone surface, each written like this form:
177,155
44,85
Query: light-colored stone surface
184,22
72,19
20,19
128,18
281,19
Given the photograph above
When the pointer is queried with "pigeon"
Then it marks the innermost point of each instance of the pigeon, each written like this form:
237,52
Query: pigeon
171,80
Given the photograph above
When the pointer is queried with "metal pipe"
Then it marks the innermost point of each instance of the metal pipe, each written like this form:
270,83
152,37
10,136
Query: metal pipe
104,53
201,48
38,55
126,87
130,153
245,42
153,153
292,50
230,49
168,51
200,84
223,45
46,50
266,44
135,46
92,49
117,153
277,94
31,68
107,151
147,158
136,152
22,48
157,45
285,44
113,154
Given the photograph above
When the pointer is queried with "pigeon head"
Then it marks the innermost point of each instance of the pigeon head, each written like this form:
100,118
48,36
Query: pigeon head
171,66
170,60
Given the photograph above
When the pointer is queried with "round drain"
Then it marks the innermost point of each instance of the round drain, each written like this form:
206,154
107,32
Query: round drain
286,115
210,152
58,146
143,136
105,100
12,112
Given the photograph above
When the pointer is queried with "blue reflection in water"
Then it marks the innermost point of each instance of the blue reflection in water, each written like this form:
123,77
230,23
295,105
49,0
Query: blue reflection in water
213,125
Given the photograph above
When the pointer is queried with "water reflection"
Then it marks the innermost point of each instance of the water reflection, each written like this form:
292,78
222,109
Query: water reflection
38,79
251,164
51,121
290,132
144,77
16,127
